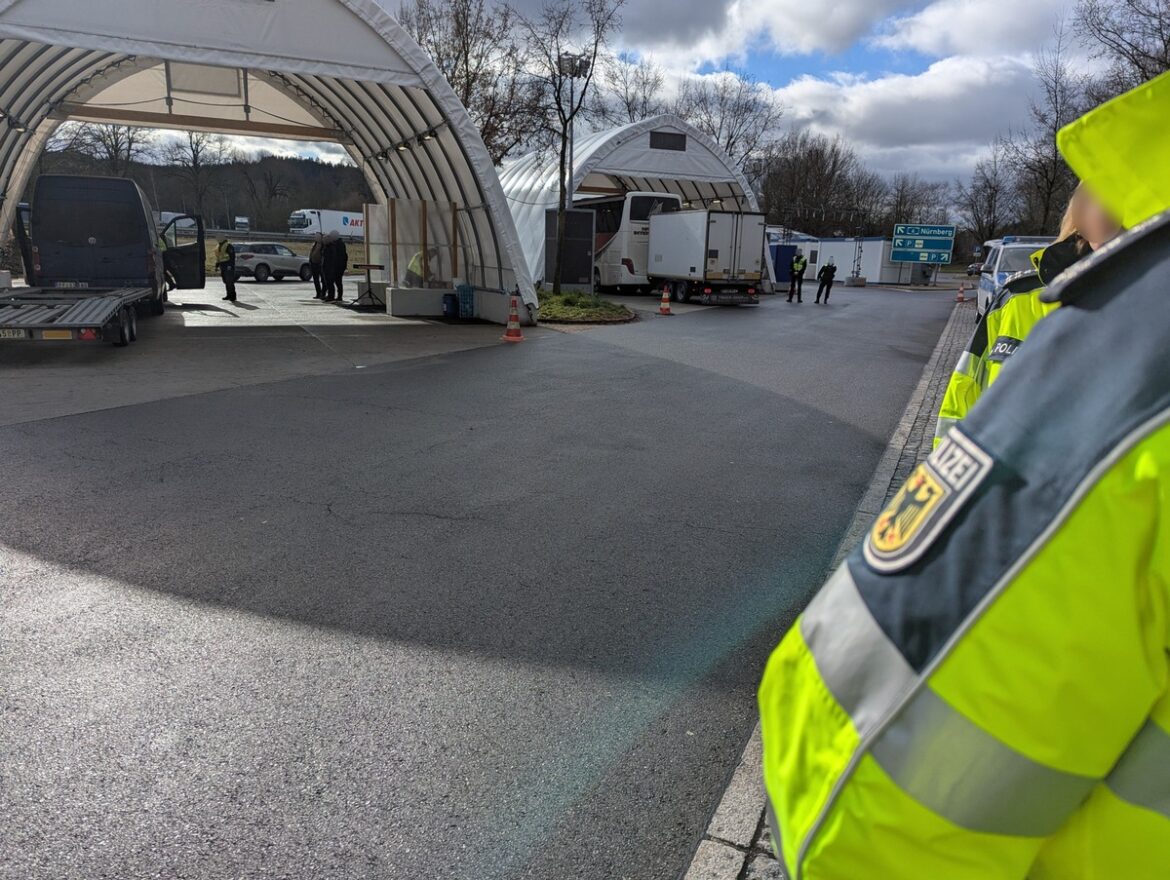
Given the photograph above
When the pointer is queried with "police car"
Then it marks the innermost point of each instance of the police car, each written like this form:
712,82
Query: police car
1005,257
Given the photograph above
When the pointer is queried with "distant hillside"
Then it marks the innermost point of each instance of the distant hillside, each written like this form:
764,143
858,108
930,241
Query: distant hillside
266,189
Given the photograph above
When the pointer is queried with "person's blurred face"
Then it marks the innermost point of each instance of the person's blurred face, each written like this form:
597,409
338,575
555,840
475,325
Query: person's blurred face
1095,224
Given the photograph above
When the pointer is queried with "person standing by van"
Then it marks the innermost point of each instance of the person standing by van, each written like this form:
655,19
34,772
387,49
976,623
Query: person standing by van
826,275
316,255
225,262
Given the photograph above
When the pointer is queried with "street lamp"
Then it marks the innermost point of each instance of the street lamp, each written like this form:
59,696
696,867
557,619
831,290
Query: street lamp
574,67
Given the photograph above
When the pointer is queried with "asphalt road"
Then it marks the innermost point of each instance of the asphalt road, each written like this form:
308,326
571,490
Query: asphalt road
491,614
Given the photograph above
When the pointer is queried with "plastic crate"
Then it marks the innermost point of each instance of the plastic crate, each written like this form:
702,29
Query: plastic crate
466,301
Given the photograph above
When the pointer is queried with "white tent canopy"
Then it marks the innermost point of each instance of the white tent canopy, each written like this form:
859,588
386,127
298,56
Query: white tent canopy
342,70
661,154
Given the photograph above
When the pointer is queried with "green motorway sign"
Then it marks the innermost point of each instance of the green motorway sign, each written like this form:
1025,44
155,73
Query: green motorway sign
922,243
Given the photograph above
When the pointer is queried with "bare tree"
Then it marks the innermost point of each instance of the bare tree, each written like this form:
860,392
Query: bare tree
564,41
115,148
809,183
632,91
1132,35
192,158
1043,179
985,203
913,200
736,110
474,43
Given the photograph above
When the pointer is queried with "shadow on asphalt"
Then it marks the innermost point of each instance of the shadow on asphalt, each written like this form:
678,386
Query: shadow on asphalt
600,514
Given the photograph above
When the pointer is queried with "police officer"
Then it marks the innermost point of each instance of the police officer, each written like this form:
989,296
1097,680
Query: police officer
796,277
225,262
826,275
982,690
1086,226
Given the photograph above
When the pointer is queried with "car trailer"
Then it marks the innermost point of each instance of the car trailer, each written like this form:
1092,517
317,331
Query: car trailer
56,314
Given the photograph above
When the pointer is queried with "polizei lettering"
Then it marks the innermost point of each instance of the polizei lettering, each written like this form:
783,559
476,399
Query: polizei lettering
1004,348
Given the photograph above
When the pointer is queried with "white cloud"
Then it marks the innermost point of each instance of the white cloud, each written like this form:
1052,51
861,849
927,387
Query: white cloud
976,27
934,122
699,31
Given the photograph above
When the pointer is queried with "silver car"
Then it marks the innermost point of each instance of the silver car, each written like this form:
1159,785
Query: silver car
264,259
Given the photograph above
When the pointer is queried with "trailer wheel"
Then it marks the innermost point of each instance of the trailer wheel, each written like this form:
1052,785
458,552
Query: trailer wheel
681,292
133,315
157,305
124,337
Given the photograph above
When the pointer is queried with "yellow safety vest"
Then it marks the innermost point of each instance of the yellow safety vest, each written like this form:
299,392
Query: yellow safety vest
982,691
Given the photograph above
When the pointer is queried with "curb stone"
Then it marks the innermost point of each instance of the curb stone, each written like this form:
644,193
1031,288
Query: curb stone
728,850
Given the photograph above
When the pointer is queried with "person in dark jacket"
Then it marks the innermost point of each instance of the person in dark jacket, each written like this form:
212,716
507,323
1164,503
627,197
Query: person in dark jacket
826,275
333,265
316,255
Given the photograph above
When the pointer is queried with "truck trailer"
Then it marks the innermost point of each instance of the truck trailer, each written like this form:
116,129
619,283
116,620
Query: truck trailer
310,221
715,257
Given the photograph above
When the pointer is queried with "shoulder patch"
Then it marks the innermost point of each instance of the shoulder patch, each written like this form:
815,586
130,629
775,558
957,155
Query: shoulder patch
936,491
1003,348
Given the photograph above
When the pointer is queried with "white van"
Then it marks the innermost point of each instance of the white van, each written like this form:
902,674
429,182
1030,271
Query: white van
621,247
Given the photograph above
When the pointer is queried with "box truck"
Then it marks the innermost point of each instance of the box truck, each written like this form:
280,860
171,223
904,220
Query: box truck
715,257
308,221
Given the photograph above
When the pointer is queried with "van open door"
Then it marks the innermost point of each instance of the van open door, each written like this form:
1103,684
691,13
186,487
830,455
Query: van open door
186,262
20,228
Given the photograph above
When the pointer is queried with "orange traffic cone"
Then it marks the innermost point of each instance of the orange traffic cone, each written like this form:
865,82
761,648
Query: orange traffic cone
961,296
513,334
664,306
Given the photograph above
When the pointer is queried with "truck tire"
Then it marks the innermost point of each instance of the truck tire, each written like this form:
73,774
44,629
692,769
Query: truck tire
306,273
681,292
124,338
262,273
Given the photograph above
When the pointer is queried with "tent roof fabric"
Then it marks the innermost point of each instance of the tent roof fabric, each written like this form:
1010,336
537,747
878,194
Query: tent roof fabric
622,159
310,69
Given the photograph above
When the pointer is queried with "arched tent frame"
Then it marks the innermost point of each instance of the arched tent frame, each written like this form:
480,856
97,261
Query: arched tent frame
368,85
622,160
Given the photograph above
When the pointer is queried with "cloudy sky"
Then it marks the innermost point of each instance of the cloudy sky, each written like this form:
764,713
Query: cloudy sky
918,85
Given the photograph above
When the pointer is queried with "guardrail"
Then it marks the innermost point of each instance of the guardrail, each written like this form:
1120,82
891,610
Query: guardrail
237,235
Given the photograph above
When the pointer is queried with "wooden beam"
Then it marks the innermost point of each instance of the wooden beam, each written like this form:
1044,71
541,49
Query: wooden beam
602,190
146,119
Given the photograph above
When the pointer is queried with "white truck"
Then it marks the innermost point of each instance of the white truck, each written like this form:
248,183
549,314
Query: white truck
716,257
309,221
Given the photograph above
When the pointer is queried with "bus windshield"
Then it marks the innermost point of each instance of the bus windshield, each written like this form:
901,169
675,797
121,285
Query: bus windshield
642,208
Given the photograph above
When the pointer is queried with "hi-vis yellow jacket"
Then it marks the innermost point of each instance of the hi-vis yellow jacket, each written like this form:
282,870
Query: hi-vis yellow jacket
999,334
982,691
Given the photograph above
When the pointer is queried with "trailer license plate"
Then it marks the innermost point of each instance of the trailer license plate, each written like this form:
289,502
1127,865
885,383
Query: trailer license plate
6,333
71,284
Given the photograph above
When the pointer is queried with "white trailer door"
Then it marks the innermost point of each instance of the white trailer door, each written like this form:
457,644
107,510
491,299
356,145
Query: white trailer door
721,235
749,252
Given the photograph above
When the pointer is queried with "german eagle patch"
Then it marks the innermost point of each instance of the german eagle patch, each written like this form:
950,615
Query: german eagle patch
930,498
